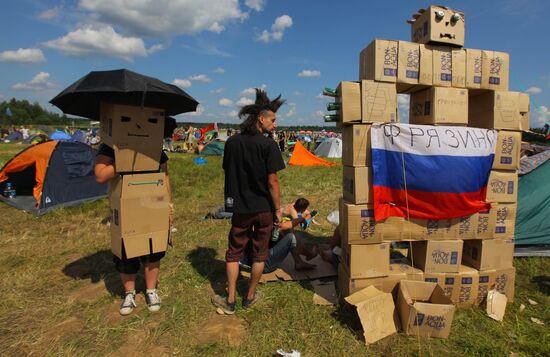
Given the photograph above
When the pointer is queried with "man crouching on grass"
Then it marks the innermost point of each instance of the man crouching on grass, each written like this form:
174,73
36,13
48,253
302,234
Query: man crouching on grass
251,162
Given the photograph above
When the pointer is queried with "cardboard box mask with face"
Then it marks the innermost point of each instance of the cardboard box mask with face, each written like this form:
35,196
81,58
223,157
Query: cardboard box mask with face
438,24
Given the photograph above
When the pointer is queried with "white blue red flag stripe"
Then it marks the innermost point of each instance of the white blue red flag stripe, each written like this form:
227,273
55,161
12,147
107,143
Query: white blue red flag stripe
430,172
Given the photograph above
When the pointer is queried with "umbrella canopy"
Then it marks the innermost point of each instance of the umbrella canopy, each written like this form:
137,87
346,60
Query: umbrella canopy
122,86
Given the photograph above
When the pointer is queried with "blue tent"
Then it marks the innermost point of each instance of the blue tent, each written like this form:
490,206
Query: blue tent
79,136
60,135
14,136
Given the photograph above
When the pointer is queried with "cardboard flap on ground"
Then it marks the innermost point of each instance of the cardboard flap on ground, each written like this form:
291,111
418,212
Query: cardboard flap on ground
507,151
356,145
135,134
429,28
424,310
496,305
139,214
376,311
378,102
378,61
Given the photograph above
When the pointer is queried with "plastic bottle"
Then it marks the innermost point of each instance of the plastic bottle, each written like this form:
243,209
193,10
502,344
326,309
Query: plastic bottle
9,190
275,234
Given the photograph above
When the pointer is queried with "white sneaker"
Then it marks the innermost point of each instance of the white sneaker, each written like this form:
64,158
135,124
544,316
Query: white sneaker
153,300
128,304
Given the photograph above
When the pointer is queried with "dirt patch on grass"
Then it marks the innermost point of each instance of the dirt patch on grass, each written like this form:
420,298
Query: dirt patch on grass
136,344
220,329
88,293
69,327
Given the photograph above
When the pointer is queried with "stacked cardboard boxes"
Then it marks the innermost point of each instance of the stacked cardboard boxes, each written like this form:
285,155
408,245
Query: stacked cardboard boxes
138,196
448,85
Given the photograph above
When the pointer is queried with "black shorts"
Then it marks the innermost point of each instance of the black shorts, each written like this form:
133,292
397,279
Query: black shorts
131,266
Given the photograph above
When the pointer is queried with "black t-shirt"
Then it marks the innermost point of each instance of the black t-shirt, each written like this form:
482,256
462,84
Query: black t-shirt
247,161
108,151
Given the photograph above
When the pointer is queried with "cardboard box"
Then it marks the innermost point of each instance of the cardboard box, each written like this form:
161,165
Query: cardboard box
524,108
485,225
424,229
367,260
507,151
504,215
430,28
376,311
458,79
502,186
495,70
460,287
505,280
378,61
349,98
408,69
495,110
442,66
139,214
388,283
437,256
135,134
357,225
423,309
465,227
473,68
356,145
486,282
437,105
445,282
357,184
488,254
378,102
426,65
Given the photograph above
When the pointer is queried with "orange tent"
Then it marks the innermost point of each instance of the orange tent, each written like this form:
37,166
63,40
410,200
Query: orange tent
302,157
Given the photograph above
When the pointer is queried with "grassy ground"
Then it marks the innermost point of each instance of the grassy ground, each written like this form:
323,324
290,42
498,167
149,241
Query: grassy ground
60,291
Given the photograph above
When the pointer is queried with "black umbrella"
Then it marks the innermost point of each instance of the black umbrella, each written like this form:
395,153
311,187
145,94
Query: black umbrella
122,86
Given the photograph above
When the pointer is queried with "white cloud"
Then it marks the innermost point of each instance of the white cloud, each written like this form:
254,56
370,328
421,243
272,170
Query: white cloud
166,18
225,102
216,91
233,114
319,113
200,111
245,101
534,90
252,91
200,78
37,83
219,70
156,48
23,55
541,115
98,40
257,5
182,83
50,13
309,73
298,93
277,29
291,110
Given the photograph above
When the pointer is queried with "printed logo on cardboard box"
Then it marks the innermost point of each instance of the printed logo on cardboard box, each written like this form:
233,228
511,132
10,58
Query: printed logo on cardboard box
484,279
436,322
449,281
430,280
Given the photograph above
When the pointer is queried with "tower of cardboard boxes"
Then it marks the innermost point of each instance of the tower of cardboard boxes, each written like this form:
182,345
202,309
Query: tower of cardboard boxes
448,85
138,196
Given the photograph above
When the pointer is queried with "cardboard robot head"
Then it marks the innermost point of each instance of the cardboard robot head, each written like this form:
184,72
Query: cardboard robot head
438,24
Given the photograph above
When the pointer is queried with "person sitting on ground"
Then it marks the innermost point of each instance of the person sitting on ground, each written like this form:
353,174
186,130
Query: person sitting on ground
332,254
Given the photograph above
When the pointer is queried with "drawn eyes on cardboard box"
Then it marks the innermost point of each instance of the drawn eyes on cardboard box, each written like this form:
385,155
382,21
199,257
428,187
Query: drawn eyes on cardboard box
126,119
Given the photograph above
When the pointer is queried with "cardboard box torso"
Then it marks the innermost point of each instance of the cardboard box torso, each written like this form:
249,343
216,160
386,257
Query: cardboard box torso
495,70
357,184
488,254
504,215
495,110
426,65
349,98
436,256
473,68
356,145
502,186
135,134
459,68
408,69
442,66
379,61
437,105
507,151
378,102
139,207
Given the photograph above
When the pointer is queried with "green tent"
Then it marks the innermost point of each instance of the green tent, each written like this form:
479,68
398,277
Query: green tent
215,148
533,214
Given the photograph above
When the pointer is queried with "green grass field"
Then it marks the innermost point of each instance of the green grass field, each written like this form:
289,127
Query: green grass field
60,291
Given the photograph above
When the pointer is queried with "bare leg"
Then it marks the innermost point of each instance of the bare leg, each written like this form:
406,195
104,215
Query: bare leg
128,281
255,276
299,263
151,272
232,269
335,241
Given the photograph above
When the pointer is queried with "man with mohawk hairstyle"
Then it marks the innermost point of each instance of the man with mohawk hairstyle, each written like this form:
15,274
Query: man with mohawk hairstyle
251,162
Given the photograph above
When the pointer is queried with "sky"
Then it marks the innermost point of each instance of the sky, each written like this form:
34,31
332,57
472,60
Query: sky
218,50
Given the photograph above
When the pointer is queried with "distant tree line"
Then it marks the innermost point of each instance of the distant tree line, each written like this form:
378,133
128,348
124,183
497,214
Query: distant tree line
25,113
236,126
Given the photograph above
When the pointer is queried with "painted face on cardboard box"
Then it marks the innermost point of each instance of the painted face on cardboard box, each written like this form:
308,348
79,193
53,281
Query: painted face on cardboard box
448,22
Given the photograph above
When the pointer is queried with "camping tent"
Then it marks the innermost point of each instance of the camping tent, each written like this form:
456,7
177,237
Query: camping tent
14,136
35,139
532,223
216,147
60,135
302,157
330,147
50,175
79,136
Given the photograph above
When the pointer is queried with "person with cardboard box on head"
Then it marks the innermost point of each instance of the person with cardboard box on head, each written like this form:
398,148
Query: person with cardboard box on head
106,171
251,162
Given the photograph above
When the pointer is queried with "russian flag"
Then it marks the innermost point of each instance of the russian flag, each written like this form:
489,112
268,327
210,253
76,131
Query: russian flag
430,172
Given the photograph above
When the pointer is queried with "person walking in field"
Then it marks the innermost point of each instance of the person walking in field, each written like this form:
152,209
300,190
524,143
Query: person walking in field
251,162
105,171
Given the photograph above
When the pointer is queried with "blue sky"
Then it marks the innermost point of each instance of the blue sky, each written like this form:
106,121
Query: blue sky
217,49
